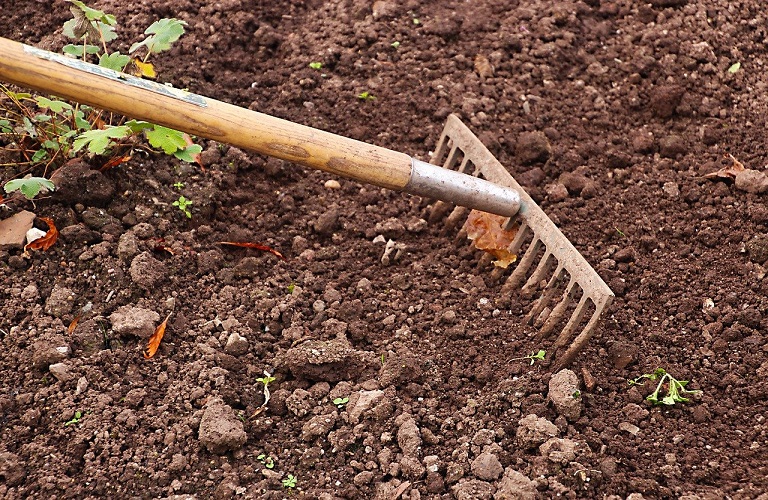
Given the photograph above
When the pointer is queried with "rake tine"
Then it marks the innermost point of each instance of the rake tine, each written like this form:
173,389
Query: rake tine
556,315
549,292
576,317
541,270
518,274
579,342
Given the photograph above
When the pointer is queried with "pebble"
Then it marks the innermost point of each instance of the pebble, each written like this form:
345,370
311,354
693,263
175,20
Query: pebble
487,467
61,371
673,146
60,301
14,228
332,184
236,345
630,428
533,147
752,181
533,430
131,320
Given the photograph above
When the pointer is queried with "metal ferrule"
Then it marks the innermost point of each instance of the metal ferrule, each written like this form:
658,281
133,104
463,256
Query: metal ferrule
432,181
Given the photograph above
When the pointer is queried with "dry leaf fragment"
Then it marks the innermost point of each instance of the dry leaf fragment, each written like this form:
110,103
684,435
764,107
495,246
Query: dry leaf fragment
47,241
483,66
154,341
144,69
195,156
257,246
729,172
85,310
113,162
487,232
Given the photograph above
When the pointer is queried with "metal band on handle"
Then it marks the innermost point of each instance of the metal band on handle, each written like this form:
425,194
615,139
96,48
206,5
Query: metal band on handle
432,181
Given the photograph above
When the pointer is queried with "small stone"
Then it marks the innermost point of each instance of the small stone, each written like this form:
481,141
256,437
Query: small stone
565,395
752,181
671,189
630,428
515,486
559,451
61,371
236,345
643,142
137,321
326,223
487,467
82,386
332,184
757,248
533,430
146,271
673,146
556,192
220,430
127,246
391,228
60,301
533,147
622,354
14,228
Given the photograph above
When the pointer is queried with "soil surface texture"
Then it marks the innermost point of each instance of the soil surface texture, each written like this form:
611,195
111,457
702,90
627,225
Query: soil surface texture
398,362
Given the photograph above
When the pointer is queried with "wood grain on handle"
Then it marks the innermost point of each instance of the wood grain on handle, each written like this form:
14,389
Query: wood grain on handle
204,117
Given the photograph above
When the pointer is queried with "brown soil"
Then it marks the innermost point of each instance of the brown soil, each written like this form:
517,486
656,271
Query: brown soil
636,103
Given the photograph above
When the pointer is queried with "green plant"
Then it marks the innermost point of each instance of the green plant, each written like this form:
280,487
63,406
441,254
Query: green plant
291,288
395,44
266,460
576,394
341,402
183,204
178,185
734,68
315,65
29,187
366,96
289,482
75,419
534,356
674,389
46,130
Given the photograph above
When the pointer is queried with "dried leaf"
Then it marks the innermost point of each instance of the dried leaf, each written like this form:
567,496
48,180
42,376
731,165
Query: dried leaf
257,246
487,233
144,69
729,172
85,310
483,66
162,247
154,340
46,241
113,162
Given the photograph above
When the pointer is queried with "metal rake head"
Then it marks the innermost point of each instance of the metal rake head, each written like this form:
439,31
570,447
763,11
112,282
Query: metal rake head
569,286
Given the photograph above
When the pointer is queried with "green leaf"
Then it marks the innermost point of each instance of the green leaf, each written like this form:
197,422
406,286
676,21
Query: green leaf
52,145
734,68
315,65
80,121
188,154
107,32
77,50
139,126
162,34
41,118
94,14
167,139
54,105
115,61
29,187
98,141
5,127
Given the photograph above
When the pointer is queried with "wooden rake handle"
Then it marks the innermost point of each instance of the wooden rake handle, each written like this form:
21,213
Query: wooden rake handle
204,117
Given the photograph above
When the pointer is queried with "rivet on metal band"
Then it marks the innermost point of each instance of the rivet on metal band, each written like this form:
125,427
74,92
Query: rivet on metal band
432,181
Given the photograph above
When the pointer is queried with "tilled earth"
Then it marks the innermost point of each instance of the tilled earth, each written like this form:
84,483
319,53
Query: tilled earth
610,113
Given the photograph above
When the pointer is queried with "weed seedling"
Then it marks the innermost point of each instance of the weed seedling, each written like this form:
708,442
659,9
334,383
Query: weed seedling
395,44
266,461
341,402
315,65
674,389
265,380
183,204
178,185
75,419
289,482
29,187
366,96
533,357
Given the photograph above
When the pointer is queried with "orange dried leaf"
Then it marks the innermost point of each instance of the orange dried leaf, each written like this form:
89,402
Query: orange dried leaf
144,69
729,172
113,162
46,241
488,234
73,325
257,246
154,340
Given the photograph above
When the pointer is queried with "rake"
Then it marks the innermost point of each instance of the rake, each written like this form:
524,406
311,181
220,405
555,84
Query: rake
468,178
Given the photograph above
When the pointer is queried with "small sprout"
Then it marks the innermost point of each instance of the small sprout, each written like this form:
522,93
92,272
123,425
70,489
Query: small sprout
183,204
266,380
533,357
75,419
289,482
674,389
395,44
29,187
416,21
266,460
291,288
621,233
315,65
576,394
341,402
366,96
735,67
383,358
178,185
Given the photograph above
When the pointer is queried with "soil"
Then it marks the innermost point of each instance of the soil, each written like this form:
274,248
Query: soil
610,113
